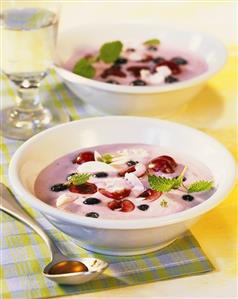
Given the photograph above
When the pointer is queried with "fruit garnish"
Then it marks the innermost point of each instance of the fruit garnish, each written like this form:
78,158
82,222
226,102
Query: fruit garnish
115,204
86,188
127,170
92,215
175,69
79,178
200,186
163,184
84,157
58,187
115,195
152,42
127,206
165,164
151,194
84,68
110,52
143,207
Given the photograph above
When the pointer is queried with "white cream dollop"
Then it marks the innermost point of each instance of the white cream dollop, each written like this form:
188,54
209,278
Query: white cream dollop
137,186
65,198
158,77
95,166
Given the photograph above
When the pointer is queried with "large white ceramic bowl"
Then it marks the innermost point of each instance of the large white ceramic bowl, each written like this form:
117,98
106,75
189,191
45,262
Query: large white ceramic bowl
132,100
120,237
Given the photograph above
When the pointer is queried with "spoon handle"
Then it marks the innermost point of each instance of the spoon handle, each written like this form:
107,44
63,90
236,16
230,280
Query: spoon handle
9,204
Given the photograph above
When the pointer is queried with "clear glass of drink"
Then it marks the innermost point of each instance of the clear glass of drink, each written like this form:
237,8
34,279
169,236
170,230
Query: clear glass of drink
29,30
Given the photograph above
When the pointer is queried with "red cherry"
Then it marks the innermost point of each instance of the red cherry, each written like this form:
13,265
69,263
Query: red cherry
127,206
150,194
135,70
115,204
84,157
127,170
147,58
164,164
115,195
175,69
114,70
86,188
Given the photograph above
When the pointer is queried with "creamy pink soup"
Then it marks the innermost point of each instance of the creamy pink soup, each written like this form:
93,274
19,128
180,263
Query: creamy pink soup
145,65
120,189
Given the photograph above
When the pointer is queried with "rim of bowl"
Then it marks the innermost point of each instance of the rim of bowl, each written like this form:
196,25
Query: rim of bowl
123,224
219,46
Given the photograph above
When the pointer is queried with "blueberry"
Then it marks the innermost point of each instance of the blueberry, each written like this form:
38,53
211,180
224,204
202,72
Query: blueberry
170,79
131,163
187,197
91,201
69,176
179,60
138,82
159,59
143,207
101,174
58,187
152,48
113,82
92,215
121,60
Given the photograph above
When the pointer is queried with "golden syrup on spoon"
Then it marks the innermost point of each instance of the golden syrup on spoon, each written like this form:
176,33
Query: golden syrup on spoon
68,267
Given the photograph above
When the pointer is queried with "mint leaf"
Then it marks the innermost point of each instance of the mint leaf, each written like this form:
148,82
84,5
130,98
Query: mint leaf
109,52
200,186
179,179
84,68
161,184
79,178
106,158
152,42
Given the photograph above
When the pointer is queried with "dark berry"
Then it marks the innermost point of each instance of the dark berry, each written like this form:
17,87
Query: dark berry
114,70
86,188
150,194
69,176
118,195
131,163
143,207
84,157
187,197
152,48
165,164
59,187
170,79
138,82
91,201
121,60
113,82
92,215
135,70
179,60
101,174
127,206
159,59
147,58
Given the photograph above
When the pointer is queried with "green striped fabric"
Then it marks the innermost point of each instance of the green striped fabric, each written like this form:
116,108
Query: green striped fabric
24,254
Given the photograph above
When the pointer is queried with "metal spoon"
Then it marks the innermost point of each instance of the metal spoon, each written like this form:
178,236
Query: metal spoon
61,269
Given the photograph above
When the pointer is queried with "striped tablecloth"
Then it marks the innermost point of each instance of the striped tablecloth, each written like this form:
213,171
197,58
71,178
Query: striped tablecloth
23,253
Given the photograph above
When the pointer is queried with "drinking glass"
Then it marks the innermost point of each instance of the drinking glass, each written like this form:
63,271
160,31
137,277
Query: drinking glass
28,30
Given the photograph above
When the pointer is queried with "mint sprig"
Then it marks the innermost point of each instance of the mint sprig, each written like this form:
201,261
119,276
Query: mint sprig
79,178
200,186
84,68
152,42
162,184
109,52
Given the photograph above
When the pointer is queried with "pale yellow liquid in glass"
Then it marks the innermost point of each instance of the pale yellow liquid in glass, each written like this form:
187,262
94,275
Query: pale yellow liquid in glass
28,40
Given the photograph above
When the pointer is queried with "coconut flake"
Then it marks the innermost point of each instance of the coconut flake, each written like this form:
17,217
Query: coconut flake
65,198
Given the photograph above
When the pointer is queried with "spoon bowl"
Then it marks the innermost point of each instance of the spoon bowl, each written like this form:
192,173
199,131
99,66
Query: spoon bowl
95,267
89,267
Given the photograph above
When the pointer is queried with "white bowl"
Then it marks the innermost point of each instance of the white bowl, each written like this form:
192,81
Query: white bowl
120,237
147,100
